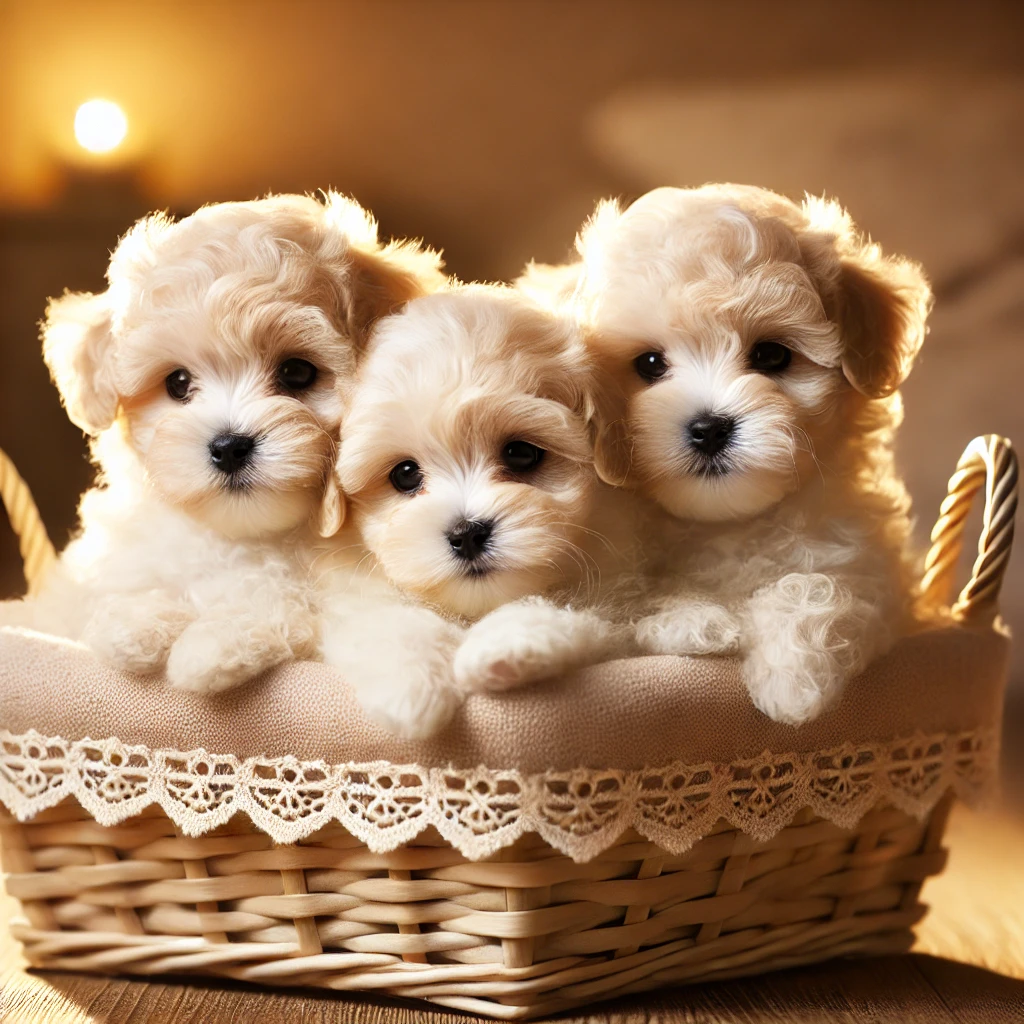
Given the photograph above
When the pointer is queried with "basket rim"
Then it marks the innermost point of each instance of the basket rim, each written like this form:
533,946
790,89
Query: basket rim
480,811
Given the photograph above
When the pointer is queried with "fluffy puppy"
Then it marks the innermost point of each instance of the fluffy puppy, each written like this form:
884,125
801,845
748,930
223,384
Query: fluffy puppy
751,351
211,374
466,462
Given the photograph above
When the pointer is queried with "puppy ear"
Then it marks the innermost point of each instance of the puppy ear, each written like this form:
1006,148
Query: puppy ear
883,308
613,447
613,453
378,281
881,303
332,508
78,347
371,280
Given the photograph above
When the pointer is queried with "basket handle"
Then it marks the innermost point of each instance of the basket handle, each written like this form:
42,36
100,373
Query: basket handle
37,552
990,461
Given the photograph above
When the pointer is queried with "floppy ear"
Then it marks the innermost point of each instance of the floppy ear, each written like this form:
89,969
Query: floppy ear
881,303
78,348
613,452
883,309
332,508
379,280
370,280
613,447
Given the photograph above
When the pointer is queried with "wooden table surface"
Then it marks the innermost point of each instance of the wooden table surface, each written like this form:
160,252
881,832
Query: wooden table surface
968,966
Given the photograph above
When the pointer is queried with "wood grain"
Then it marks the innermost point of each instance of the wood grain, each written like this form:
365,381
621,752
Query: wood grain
969,969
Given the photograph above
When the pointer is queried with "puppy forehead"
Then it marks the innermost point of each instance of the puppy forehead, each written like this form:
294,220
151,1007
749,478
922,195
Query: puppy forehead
680,264
698,236
454,375
256,329
482,338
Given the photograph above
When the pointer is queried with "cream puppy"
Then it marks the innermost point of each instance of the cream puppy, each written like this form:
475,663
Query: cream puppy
211,375
466,462
751,351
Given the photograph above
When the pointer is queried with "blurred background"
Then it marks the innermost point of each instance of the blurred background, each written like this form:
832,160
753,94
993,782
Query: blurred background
490,129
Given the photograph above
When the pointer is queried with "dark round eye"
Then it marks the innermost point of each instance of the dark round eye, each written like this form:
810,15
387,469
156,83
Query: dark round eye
406,477
179,385
770,357
521,456
296,374
651,365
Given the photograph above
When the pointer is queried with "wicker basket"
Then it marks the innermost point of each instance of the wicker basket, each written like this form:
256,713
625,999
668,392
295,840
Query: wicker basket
525,930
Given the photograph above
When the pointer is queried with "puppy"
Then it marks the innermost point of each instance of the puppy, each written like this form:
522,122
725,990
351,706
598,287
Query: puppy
466,462
751,351
211,375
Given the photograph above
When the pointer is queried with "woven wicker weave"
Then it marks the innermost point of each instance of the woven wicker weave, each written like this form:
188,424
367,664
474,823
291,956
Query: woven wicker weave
525,932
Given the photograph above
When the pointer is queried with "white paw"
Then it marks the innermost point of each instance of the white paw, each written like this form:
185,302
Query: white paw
691,629
216,654
135,635
529,641
793,691
415,710
497,663
808,636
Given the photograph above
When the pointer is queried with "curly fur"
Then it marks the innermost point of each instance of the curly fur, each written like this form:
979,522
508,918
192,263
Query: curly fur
448,382
178,566
794,551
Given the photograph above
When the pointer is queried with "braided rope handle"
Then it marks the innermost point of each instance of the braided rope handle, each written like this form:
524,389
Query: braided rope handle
988,461
37,553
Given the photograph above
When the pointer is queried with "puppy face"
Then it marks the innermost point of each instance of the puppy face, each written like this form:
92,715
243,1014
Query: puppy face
465,454
737,333
222,351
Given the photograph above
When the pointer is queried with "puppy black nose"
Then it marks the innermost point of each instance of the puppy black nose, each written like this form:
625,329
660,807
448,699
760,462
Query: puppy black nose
710,434
231,452
468,539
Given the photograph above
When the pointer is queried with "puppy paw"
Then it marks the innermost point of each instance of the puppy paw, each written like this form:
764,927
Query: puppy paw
526,642
788,693
135,634
693,629
212,655
808,636
414,710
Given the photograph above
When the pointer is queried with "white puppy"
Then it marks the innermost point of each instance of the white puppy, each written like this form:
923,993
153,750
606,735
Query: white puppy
466,463
211,375
751,351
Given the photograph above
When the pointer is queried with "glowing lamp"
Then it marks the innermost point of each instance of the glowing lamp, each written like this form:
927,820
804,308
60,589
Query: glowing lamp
100,126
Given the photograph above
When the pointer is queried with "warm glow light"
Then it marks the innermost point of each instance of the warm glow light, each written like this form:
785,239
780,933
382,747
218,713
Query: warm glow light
100,126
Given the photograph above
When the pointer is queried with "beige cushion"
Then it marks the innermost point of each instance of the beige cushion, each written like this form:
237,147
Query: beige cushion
625,714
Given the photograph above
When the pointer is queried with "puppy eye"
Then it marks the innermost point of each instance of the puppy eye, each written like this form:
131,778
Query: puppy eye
179,385
296,375
406,477
651,366
770,357
521,456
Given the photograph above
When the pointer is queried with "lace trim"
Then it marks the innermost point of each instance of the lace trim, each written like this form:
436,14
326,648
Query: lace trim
481,810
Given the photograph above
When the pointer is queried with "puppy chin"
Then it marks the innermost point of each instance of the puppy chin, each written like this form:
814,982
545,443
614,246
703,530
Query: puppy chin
473,596
258,512
735,495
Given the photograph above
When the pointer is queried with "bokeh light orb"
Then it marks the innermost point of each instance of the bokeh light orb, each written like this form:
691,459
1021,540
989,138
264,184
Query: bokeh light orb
100,126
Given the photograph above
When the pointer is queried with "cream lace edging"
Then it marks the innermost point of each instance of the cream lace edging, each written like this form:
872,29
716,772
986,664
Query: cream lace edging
481,810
